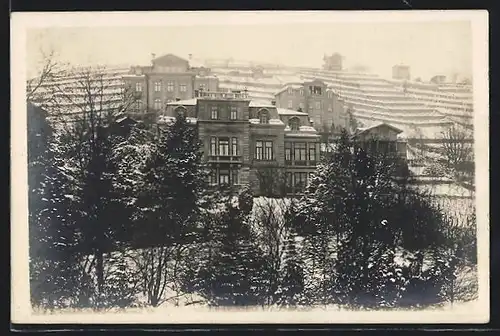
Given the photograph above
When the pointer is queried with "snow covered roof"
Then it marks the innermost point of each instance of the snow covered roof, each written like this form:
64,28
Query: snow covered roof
163,119
304,131
366,129
256,103
133,76
169,58
284,111
194,63
124,118
271,122
186,102
290,85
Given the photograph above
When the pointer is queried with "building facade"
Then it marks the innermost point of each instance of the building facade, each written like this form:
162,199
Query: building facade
167,79
244,140
317,100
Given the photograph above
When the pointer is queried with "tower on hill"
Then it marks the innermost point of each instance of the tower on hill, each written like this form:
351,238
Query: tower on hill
400,71
333,62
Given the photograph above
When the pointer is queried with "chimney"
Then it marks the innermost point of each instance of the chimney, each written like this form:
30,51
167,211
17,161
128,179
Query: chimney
273,102
153,56
190,56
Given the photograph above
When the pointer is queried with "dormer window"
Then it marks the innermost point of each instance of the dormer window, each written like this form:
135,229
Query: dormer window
294,123
264,117
290,90
315,90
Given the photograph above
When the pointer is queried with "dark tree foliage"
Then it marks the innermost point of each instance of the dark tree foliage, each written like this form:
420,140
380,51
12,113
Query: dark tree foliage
54,274
174,183
365,204
232,271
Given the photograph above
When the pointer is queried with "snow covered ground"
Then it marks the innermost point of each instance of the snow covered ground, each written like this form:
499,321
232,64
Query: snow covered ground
464,312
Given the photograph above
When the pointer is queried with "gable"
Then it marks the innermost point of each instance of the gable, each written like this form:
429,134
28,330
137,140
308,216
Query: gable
384,131
316,82
170,59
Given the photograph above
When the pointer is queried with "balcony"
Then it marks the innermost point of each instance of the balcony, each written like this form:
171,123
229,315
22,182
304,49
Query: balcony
221,95
224,159
301,163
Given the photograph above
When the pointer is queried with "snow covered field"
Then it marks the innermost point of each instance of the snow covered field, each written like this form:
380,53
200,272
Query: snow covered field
464,312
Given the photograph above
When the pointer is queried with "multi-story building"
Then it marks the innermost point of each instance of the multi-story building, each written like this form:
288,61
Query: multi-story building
321,103
167,79
242,138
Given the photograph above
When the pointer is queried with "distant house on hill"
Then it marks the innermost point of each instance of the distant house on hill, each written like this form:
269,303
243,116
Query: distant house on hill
381,138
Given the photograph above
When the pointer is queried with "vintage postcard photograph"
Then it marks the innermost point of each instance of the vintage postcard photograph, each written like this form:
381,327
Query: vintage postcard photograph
250,167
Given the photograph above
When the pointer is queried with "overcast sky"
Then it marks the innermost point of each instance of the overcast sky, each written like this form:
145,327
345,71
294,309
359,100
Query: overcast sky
428,47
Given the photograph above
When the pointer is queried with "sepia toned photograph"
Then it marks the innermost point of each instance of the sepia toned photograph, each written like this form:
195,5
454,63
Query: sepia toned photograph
250,167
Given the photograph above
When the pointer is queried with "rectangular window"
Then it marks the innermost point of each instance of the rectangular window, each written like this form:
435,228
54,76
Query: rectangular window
234,113
301,92
288,151
214,113
312,152
290,91
170,86
157,104
290,104
213,177
183,88
213,146
157,86
138,87
311,106
224,177
259,150
202,86
300,151
234,146
268,150
224,147
235,177
315,90
318,105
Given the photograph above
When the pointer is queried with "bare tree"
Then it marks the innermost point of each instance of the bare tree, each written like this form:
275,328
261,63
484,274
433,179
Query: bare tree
458,151
272,229
271,181
45,74
159,272
82,103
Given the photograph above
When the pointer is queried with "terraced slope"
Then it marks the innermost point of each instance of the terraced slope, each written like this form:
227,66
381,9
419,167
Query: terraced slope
421,110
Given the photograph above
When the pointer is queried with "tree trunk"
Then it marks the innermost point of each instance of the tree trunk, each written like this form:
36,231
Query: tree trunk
99,270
